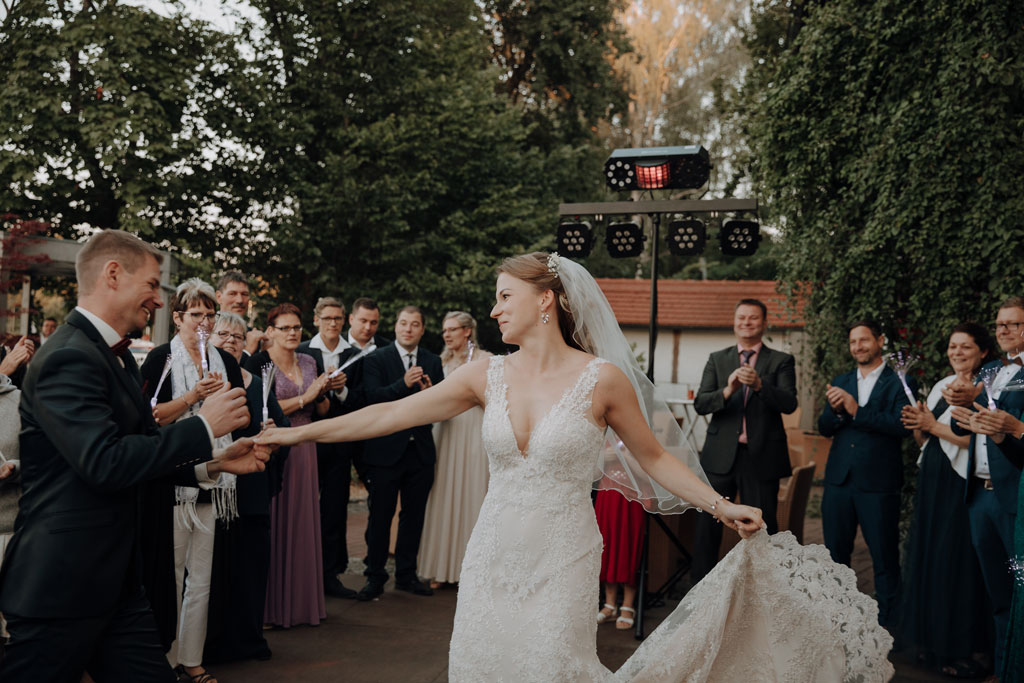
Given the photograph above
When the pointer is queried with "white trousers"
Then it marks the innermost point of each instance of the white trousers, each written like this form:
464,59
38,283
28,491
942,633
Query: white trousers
193,550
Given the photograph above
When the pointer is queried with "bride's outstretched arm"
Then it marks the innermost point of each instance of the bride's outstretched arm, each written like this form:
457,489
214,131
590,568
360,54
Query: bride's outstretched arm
616,400
459,392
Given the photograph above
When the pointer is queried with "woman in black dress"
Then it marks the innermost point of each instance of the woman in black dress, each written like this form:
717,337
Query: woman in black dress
945,613
241,557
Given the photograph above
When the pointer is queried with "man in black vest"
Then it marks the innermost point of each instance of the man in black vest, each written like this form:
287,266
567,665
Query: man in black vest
401,463
71,582
746,388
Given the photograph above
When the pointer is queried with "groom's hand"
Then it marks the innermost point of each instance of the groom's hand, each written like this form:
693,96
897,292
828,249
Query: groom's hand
243,456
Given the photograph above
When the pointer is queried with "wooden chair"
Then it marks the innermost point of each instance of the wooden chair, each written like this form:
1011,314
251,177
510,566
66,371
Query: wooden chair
793,500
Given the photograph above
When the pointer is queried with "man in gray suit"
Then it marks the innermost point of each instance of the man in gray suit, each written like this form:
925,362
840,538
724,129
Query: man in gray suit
746,388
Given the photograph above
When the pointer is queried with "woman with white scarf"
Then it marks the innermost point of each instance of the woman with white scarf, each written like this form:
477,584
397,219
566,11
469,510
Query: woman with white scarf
180,375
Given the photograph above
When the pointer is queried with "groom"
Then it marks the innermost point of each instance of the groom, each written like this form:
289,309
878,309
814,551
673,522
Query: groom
401,463
71,582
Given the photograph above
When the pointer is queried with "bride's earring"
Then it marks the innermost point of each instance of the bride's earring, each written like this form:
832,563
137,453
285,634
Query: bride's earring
545,318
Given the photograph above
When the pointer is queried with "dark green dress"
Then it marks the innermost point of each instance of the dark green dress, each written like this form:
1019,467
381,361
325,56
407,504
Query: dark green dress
1013,657
945,613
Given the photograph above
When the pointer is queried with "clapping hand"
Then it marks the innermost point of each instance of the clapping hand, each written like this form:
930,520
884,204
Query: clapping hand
840,400
917,417
19,355
992,423
961,393
209,384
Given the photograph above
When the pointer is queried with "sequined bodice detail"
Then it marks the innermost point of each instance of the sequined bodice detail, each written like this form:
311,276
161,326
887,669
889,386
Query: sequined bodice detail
562,449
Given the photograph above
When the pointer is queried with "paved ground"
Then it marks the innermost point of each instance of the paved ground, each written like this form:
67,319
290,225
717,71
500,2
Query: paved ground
404,638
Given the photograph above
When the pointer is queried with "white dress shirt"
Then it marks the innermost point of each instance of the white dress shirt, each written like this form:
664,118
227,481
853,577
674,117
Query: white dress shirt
1002,378
370,345
866,384
404,355
111,337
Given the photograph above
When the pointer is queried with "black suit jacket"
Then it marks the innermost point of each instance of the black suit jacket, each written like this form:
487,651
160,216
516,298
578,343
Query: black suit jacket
867,449
88,442
766,437
383,378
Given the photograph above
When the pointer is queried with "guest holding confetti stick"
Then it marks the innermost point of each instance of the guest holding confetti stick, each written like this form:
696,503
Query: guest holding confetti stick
944,612
994,463
295,588
241,557
196,509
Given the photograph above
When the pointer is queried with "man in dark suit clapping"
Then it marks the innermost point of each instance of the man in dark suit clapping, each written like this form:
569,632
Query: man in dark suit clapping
864,474
401,463
71,582
746,388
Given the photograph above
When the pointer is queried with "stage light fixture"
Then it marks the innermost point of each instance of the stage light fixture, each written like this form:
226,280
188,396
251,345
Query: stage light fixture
658,168
624,240
739,237
687,237
575,240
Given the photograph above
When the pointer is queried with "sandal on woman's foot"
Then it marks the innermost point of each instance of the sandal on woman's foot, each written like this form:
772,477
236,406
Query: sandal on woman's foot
963,668
625,623
603,615
201,677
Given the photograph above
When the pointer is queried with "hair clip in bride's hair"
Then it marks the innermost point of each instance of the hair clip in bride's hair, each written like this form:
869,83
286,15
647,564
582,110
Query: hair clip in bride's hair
553,262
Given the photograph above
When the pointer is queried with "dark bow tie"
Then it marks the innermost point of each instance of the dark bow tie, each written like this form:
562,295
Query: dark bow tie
1017,360
121,346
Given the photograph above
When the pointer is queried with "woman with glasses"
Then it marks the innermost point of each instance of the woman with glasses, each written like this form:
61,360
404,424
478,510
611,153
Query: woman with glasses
460,479
196,370
295,585
945,612
241,557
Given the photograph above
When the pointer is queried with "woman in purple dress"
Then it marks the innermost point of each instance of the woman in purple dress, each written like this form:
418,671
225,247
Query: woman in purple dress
295,586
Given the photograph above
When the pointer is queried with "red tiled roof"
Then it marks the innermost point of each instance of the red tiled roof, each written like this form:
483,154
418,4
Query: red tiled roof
694,303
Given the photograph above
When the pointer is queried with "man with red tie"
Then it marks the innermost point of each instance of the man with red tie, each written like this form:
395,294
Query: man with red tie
746,388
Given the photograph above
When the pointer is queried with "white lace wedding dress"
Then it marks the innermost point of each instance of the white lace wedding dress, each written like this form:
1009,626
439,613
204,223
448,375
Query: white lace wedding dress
772,610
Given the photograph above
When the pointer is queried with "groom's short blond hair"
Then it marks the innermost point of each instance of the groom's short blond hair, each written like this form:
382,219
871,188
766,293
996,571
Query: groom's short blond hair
111,245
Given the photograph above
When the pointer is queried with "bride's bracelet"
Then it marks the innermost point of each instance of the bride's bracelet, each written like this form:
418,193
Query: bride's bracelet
714,505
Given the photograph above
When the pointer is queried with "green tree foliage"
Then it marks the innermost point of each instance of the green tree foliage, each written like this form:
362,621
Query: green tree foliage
101,119
888,145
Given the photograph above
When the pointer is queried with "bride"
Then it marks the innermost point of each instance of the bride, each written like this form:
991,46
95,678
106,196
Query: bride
571,407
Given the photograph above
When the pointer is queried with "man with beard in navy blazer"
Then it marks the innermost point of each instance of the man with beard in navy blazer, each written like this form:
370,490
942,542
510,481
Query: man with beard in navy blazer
864,474
401,463
995,456
71,582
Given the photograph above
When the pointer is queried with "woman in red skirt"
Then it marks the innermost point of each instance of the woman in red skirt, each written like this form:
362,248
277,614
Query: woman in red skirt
622,527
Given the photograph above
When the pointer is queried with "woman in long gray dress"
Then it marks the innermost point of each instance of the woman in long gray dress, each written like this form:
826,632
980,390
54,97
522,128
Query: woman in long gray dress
460,480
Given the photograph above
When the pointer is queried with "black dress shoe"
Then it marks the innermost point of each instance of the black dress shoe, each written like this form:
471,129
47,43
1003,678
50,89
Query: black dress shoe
415,586
337,589
371,591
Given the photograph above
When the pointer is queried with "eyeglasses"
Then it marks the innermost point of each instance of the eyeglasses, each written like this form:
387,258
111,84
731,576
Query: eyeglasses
333,321
225,335
1007,326
288,328
197,316
452,329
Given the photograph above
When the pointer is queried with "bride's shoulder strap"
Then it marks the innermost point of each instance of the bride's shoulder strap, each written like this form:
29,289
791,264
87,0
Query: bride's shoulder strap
495,378
582,394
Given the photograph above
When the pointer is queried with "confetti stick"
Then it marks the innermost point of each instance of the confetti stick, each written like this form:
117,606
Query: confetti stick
988,378
901,362
347,363
204,338
163,376
267,374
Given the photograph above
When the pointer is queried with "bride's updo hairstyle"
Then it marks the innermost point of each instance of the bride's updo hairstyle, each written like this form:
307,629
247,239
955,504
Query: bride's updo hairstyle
533,269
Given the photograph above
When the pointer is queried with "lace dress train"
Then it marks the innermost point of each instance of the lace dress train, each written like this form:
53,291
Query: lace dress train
772,610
